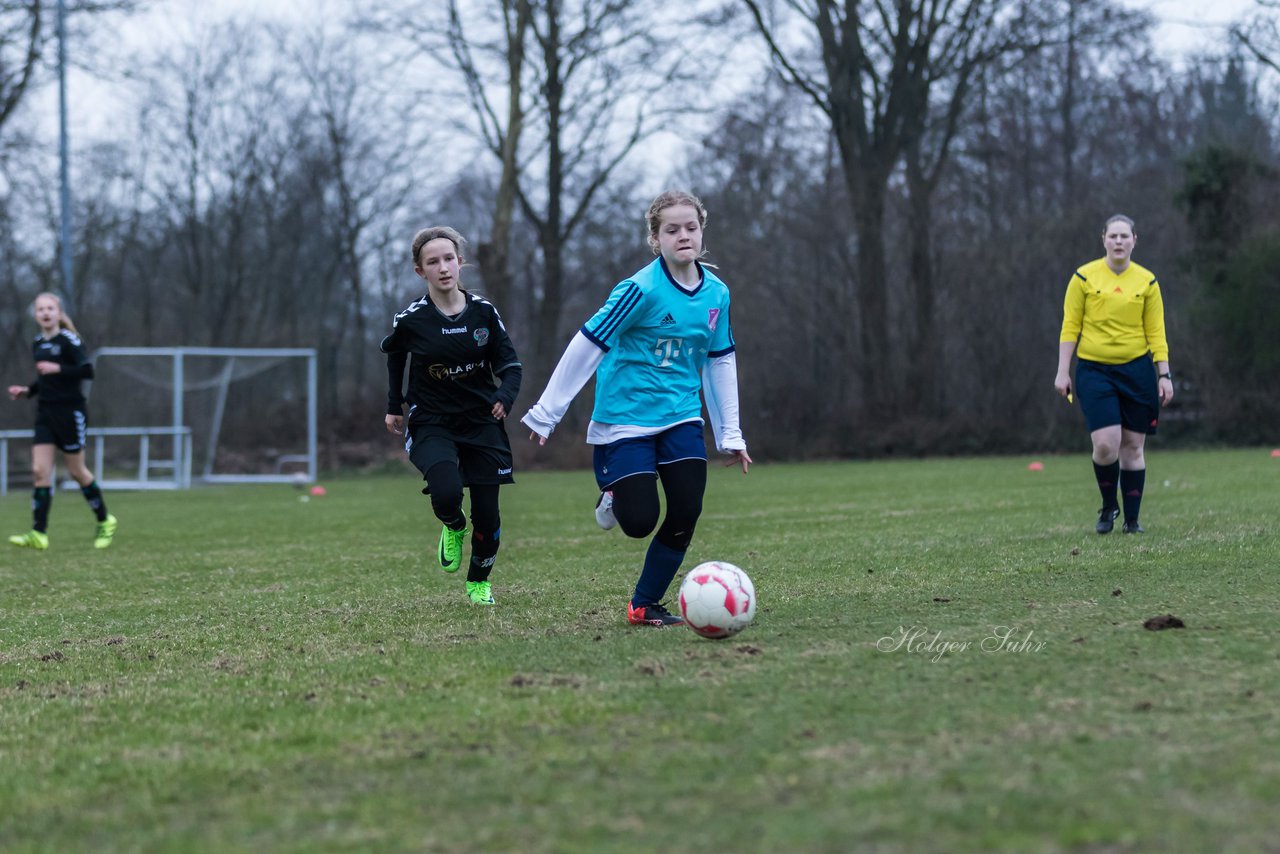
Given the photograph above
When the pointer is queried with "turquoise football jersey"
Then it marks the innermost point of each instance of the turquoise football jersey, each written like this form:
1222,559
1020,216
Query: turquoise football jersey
656,337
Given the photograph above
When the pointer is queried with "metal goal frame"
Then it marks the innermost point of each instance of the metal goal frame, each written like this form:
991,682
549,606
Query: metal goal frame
178,426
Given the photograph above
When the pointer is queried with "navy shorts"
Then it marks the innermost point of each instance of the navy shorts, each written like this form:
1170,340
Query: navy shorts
1126,394
63,426
643,454
482,452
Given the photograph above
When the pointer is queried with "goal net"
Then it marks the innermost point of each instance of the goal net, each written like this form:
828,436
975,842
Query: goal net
165,416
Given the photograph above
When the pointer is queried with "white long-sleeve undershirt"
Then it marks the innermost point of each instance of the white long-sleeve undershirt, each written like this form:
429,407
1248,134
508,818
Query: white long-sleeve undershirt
720,390
579,362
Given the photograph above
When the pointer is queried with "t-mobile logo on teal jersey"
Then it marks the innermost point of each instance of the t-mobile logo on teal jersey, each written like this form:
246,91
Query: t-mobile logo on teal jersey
668,350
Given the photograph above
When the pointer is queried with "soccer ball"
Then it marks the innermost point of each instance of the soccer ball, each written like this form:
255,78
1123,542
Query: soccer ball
717,599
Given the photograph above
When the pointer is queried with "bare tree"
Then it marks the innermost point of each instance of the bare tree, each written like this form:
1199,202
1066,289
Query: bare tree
217,111
370,168
501,133
893,78
562,93
1260,34
26,29
22,39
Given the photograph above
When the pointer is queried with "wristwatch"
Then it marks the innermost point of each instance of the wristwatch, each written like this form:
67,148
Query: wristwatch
1166,376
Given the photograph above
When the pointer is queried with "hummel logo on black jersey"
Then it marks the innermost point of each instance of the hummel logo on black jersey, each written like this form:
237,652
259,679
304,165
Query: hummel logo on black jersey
668,321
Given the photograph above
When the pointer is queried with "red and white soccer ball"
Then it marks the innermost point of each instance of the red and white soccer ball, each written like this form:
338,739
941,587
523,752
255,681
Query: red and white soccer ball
717,599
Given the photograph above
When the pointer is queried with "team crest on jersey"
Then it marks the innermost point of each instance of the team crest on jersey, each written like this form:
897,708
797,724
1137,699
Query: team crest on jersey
713,315
481,336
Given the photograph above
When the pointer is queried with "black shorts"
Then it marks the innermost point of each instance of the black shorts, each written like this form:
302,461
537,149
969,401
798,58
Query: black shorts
63,426
482,452
1126,394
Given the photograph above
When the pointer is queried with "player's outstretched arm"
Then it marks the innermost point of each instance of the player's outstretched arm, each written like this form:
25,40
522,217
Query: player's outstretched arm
579,362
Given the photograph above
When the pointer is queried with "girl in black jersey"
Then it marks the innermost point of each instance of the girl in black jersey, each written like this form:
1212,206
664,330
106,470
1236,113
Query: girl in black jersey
61,365
463,378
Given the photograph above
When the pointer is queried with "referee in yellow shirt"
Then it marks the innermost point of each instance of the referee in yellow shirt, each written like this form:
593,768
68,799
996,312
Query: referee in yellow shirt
1113,320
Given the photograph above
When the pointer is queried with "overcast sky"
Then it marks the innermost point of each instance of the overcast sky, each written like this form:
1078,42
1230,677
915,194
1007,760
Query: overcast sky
1186,27
1191,25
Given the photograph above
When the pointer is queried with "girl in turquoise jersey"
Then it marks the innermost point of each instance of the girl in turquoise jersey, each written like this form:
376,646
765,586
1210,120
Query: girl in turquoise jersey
662,337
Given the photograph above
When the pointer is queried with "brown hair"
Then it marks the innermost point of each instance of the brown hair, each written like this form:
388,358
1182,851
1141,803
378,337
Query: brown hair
1119,218
670,199
64,321
426,235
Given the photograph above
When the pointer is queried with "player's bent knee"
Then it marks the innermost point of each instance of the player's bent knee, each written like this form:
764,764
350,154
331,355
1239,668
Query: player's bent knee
635,505
446,503
1106,452
636,523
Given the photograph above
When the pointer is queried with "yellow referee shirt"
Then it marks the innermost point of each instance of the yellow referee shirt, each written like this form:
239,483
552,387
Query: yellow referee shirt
1116,317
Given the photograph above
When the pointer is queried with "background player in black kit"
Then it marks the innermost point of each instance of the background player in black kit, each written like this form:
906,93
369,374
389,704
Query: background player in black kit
463,378
61,421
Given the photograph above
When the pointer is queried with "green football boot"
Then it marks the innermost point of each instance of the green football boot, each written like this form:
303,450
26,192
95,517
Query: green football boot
30,540
480,592
451,548
106,530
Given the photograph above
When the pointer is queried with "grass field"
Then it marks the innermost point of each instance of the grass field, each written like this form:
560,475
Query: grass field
246,671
